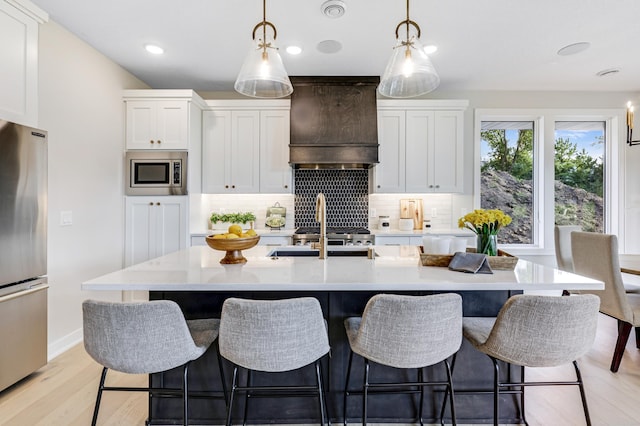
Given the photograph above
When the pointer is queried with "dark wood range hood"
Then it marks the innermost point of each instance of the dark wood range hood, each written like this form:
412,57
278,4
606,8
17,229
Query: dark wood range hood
334,122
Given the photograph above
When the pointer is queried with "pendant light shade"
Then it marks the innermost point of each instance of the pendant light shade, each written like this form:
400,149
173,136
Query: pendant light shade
409,72
262,74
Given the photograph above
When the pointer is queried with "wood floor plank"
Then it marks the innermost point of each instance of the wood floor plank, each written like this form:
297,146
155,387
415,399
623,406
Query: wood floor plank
63,392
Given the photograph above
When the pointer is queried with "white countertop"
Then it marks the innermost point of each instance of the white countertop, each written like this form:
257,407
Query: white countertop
396,268
394,232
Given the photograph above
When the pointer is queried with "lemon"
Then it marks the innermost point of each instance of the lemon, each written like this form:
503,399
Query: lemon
235,229
231,236
219,236
251,233
244,235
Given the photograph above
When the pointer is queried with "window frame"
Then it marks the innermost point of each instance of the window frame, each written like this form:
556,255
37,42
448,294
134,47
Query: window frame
543,174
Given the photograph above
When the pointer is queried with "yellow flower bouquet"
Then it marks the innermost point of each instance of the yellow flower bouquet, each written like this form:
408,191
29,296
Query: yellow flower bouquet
485,224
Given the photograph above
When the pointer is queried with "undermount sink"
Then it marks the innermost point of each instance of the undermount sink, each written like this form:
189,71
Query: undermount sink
362,252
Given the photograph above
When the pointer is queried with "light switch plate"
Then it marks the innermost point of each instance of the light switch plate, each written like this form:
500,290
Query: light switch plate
66,218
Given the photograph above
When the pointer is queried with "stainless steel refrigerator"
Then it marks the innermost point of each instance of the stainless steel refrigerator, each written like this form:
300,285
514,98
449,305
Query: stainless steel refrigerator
23,251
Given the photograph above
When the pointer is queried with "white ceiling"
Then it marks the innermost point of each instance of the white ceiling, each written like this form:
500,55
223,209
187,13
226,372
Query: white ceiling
483,44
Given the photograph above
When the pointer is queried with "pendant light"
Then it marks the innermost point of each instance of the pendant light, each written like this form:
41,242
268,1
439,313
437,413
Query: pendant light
262,74
409,71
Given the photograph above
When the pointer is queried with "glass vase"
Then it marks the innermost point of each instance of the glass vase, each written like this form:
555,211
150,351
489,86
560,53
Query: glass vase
487,244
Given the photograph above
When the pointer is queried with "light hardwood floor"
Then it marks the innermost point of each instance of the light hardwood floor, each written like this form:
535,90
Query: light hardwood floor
63,392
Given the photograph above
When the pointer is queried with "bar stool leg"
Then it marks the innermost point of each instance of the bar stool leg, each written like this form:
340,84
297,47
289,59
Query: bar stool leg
421,380
247,397
450,391
320,392
346,389
496,391
366,390
99,397
234,384
185,394
582,394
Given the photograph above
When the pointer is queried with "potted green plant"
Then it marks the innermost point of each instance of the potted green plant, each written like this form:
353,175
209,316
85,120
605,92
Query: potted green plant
223,220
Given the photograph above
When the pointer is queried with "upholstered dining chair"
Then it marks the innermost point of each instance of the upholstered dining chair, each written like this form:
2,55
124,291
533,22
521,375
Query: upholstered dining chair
562,239
144,338
595,256
273,336
536,331
405,332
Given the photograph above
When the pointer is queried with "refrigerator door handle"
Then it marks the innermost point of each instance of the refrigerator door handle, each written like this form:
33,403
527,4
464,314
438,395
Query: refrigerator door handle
22,293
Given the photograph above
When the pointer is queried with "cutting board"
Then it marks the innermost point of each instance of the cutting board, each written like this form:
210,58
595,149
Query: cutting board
412,208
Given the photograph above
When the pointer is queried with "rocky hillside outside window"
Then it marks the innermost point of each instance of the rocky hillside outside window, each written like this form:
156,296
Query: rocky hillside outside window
507,176
580,148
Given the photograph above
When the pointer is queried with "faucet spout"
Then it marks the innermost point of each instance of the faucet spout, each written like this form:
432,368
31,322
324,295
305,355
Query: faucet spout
321,216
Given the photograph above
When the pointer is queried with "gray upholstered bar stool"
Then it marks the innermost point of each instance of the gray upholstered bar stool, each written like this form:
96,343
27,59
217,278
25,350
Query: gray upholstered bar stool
536,331
273,336
144,338
408,332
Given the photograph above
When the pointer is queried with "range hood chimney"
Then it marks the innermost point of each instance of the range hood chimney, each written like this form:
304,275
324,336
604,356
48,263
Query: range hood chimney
334,122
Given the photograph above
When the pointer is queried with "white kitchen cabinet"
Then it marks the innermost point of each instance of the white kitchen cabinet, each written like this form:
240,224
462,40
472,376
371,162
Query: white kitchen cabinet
162,119
245,147
275,172
19,27
398,240
421,146
154,226
230,152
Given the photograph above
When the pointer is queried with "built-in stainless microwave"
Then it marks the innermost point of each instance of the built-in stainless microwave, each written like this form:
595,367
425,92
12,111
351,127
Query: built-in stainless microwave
156,173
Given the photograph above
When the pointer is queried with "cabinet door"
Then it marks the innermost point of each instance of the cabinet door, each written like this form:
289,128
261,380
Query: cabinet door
154,226
216,155
390,172
275,172
447,152
172,129
141,124
139,230
419,157
245,152
157,124
171,224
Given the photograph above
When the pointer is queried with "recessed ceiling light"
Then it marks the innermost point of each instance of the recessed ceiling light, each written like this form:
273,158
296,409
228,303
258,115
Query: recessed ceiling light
430,49
329,46
608,72
152,48
574,48
294,50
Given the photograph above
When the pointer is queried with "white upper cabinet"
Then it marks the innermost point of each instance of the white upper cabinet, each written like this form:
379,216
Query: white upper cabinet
19,21
245,147
162,119
420,146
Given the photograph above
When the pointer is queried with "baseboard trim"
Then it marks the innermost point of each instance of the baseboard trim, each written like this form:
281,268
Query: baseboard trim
62,345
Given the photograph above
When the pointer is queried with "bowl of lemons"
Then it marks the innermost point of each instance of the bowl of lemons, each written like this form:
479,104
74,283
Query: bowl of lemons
233,242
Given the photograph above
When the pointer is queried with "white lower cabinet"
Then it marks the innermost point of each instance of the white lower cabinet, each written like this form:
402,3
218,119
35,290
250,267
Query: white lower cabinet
395,240
154,226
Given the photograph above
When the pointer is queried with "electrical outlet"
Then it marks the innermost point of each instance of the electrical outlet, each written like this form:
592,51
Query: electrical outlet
434,212
66,218
372,213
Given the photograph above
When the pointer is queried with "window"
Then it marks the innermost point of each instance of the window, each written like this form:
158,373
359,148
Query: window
548,166
506,176
580,148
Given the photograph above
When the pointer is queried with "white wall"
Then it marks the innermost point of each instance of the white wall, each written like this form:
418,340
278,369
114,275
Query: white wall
80,105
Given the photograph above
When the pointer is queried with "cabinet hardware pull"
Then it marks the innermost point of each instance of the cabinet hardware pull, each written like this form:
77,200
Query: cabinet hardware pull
150,203
226,186
233,186
157,204
159,142
437,186
151,141
286,186
378,186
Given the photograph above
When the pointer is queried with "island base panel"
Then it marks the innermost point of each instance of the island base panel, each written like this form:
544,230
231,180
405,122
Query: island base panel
473,370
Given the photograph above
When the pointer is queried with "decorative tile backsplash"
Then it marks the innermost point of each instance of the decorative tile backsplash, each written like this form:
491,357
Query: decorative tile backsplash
346,191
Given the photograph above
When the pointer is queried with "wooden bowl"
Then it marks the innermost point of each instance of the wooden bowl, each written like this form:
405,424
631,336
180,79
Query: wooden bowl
233,247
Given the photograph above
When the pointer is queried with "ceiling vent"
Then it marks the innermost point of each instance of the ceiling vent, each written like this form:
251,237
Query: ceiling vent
333,8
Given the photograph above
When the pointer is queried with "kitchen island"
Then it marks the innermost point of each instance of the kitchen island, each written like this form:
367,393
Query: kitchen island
196,280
